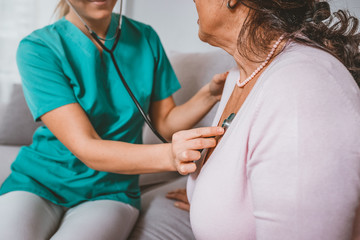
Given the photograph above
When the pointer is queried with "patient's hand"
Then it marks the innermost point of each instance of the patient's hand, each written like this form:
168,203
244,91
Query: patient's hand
217,85
180,196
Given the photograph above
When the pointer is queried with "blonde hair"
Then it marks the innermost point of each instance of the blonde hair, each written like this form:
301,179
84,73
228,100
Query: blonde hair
61,9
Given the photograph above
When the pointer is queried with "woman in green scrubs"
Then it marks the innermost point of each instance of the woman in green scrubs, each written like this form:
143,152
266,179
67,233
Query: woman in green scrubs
79,177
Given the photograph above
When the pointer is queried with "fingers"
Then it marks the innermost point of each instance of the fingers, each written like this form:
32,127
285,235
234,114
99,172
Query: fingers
181,197
182,206
189,150
185,146
185,159
216,85
179,190
204,132
186,168
220,78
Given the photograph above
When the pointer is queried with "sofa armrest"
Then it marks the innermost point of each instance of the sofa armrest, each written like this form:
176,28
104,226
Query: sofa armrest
8,155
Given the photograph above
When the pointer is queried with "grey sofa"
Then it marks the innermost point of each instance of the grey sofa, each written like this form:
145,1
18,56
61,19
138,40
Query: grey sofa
158,218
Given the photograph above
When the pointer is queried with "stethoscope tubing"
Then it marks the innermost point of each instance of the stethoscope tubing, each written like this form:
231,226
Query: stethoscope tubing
111,52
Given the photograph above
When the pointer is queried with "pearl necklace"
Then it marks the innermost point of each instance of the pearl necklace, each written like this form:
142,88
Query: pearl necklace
269,56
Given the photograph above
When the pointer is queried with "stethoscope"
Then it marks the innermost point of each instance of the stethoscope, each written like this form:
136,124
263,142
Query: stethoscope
111,52
227,121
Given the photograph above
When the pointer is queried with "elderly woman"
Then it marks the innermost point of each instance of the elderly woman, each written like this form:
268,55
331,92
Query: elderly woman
288,166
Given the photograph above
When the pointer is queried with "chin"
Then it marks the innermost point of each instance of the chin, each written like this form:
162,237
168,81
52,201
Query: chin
100,14
207,38
203,37
99,11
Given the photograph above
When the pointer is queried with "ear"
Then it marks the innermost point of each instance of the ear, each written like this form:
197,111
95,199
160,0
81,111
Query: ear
232,4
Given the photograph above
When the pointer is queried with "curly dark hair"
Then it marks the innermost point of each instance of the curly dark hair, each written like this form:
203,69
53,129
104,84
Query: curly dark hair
308,22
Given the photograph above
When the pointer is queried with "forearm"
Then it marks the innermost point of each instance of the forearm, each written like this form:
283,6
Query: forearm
185,116
71,126
125,158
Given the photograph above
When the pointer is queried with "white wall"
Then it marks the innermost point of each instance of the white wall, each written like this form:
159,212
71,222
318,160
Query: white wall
174,20
352,5
18,18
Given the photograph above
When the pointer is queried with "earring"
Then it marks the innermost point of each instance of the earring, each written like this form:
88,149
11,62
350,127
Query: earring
233,6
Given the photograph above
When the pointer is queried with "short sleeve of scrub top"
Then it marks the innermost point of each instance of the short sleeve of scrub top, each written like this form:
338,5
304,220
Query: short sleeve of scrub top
43,80
60,65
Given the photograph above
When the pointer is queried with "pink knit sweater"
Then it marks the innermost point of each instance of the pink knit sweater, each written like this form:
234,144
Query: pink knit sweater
289,165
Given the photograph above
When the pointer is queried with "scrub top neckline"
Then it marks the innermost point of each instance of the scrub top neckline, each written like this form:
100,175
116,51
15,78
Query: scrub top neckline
81,39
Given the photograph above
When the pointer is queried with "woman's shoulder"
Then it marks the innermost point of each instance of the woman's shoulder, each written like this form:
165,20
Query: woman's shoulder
311,55
304,66
48,32
48,35
310,75
302,59
46,43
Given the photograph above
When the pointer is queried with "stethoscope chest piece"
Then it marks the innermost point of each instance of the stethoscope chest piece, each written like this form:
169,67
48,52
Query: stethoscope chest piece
228,121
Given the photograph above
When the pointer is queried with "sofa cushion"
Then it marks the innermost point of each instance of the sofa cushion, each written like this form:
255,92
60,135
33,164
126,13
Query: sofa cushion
159,218
2,111
16,124
8,155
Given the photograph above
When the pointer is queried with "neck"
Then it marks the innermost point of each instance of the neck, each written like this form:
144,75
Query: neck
248,67
228,41
245,66
100,27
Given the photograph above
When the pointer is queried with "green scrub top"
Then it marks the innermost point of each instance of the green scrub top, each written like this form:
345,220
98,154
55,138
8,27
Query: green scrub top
60,65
